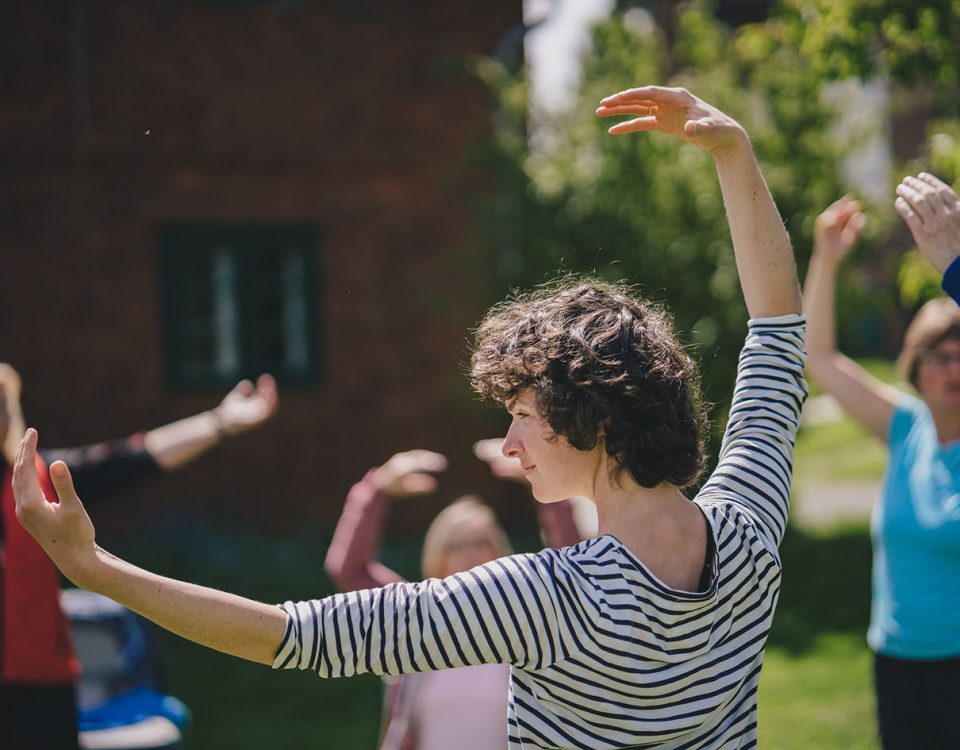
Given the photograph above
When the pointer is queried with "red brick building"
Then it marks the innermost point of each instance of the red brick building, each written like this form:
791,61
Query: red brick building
194,190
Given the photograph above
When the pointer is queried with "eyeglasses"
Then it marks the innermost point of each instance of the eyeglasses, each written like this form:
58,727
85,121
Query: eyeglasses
469,545
939,359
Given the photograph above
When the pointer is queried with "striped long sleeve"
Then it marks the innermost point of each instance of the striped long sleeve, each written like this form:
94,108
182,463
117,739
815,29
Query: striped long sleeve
756,457
509,611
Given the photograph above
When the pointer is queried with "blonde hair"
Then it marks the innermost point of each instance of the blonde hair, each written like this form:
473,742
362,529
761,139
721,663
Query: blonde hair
10,384
937,320
462,510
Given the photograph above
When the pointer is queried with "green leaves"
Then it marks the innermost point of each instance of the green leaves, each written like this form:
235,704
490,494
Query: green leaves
647,208
858,38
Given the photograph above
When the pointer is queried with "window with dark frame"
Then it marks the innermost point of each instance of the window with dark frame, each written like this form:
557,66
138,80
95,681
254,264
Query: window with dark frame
238,302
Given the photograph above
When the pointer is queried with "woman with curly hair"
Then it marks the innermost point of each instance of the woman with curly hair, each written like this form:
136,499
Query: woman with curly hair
650,634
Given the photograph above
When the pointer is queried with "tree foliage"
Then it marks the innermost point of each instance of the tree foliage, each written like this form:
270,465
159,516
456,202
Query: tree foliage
647,208
916,47
907,40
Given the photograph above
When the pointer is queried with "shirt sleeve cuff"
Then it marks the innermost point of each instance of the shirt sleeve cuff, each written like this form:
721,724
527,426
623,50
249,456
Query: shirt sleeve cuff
951,280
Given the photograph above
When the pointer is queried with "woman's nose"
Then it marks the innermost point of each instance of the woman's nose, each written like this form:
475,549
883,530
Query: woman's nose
511,447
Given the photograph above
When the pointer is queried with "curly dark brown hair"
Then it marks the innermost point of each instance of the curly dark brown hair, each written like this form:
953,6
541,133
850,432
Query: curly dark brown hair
605,364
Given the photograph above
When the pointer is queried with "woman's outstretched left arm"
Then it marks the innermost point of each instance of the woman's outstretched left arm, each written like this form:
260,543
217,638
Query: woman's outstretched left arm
481,616
224,622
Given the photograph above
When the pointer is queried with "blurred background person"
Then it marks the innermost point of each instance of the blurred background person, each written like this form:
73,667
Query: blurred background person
38,668
466,707
915,621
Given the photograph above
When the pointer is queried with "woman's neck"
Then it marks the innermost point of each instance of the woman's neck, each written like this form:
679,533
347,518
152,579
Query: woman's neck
658,525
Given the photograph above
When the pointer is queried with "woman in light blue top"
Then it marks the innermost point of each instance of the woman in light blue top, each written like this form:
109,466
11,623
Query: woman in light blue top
915,617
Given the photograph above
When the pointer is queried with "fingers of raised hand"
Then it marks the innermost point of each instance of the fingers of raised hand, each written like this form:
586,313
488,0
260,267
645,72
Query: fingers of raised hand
932,203
642,108
425,460
248,406
939,188
636,125
417,460
26,482
909,215
839,214
651,94
488,450
243,388
909,191
507,468
846,207
841,204
646,102
267,390
416,483
852,228
266,384
63,484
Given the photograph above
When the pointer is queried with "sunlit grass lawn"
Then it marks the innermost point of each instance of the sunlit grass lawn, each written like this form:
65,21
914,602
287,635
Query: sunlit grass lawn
842,450
819,699
816,687
815,691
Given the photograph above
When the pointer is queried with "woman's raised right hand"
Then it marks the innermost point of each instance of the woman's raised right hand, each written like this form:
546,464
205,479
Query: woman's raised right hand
676,112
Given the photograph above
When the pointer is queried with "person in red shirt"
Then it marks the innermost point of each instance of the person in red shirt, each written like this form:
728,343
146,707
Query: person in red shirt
38,668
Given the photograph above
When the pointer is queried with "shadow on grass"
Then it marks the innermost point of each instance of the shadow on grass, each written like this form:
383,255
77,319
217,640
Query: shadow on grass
826,586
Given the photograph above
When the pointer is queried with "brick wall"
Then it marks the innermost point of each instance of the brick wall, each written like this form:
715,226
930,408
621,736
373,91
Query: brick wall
352,116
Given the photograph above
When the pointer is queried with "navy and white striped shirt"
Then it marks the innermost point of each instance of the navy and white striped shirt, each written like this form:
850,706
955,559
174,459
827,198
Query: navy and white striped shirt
603,654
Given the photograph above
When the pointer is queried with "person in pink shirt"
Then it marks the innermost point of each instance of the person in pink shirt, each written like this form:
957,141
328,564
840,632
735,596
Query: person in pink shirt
467,707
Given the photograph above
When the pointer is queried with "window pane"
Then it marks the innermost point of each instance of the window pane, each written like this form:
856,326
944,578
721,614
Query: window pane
224,324
239,302
296,331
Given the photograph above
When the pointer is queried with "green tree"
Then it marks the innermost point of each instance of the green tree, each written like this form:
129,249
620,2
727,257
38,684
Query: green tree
912,42
646,208
915,47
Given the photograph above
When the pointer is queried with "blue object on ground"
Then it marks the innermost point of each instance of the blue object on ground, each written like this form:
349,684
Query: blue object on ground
132,707
121,703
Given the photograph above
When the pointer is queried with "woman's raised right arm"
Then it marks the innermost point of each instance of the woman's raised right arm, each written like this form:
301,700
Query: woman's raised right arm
868,400
768,273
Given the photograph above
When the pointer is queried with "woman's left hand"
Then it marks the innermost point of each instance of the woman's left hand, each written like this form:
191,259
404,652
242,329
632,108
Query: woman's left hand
676,112
63,528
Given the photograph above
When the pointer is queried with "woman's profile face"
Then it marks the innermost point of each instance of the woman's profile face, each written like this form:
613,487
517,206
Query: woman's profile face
554,468
470,543
938,375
